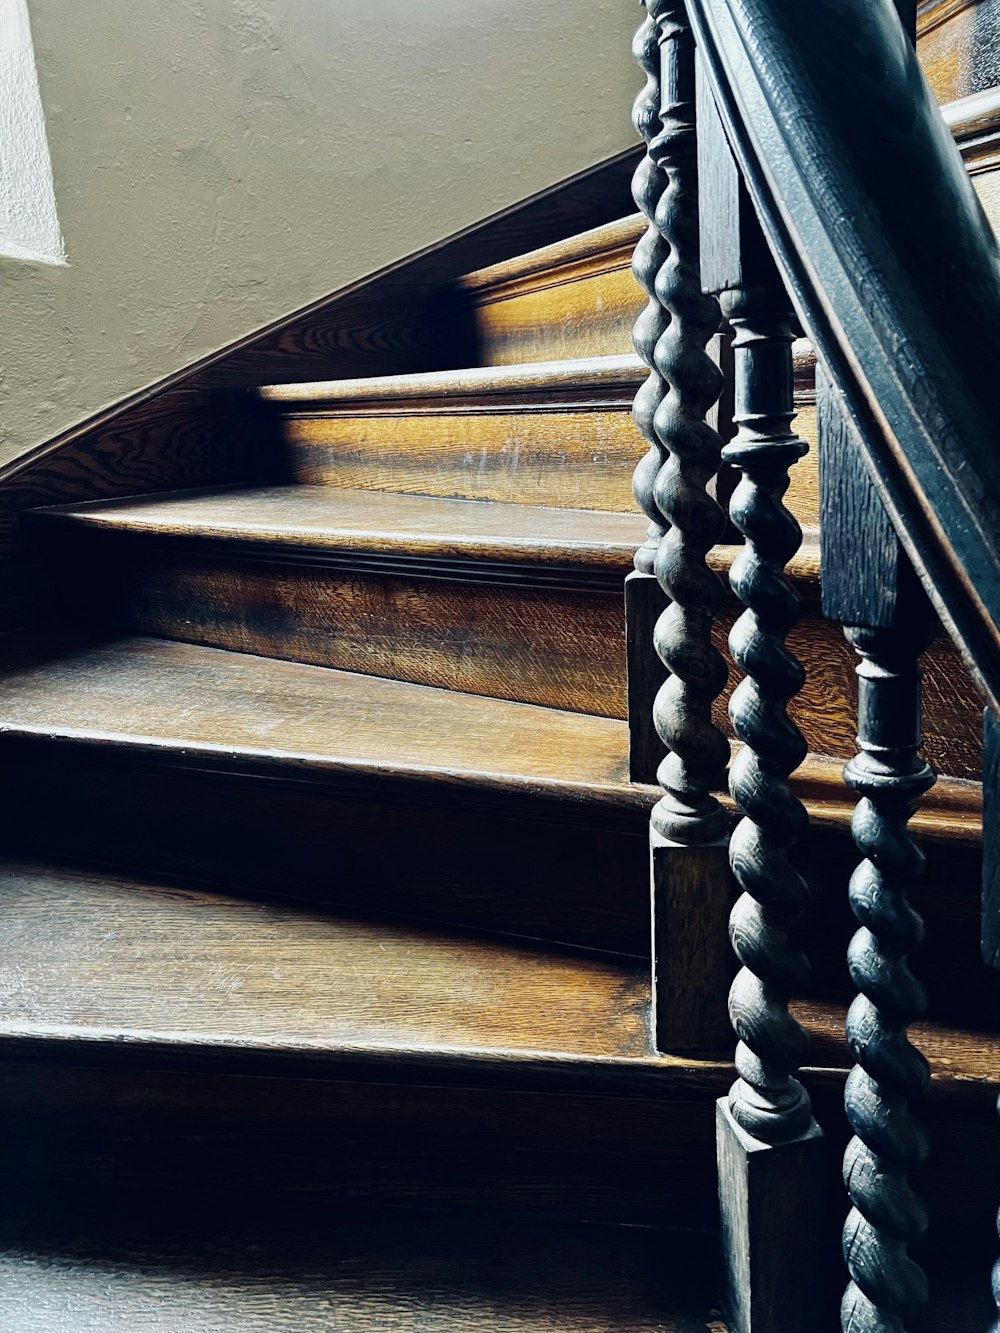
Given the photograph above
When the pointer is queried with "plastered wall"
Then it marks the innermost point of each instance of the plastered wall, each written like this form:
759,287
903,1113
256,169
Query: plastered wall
219,163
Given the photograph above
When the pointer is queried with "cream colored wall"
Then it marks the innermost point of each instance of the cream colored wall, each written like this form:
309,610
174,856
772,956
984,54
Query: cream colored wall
219,163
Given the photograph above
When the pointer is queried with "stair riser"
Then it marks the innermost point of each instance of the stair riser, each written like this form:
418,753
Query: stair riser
550,870
562,647
513,638
556,871
646,1159
586,309
566,457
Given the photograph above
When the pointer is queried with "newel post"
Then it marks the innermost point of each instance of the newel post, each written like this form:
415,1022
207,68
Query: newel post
773,1167
673,598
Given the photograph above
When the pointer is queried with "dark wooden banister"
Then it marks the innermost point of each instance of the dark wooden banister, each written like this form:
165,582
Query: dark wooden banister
892,266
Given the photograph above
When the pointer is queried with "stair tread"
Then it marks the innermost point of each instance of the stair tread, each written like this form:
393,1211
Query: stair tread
576,376
141,1262
330,518
155,694
326,518
106,958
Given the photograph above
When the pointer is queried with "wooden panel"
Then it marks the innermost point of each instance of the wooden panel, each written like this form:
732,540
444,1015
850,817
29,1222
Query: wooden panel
128,1263
590,315
580,459
560,436
826,709
577,298
563,648
577,1150
105,959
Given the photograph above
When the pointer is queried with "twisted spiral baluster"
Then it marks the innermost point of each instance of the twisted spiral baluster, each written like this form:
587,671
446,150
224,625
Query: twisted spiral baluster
889,776
687,813
766,1100
647,187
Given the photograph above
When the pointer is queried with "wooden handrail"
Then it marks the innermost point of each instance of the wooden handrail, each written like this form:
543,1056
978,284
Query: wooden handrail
893,268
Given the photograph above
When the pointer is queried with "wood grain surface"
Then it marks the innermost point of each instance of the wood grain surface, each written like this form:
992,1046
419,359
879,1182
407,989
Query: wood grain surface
563,870
577,298
137,1263
324,519
102,959
153,695
558,434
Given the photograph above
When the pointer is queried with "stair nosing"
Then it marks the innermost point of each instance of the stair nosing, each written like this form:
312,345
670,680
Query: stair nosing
599,377
464,555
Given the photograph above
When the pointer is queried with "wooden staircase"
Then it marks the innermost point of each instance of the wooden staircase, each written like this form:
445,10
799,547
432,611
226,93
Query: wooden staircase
325,910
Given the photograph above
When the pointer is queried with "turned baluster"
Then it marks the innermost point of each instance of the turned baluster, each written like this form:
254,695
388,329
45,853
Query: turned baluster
648,185
873,590
643,598
771,1159
690,878
889,777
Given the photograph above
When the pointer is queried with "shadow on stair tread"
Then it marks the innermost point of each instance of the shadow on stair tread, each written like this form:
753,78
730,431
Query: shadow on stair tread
128,1261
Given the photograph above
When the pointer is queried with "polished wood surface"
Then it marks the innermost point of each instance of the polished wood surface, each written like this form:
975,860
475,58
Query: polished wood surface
957,46
558,434
154,695
575,298
325,519
551,633
162,1262
101,959
566,870
552,637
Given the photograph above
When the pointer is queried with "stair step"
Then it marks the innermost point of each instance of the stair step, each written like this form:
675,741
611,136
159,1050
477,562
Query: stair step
321,784
365,526
514,601
558,434
138,1263
161,1035
517,602
152,695
307,783
575,298
106,961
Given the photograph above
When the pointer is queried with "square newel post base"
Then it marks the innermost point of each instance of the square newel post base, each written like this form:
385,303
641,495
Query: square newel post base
645,602
693,963
777,1253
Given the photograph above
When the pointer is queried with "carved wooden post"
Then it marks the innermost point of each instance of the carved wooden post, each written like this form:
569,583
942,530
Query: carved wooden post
690,878
772,1164
643,597
889,622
